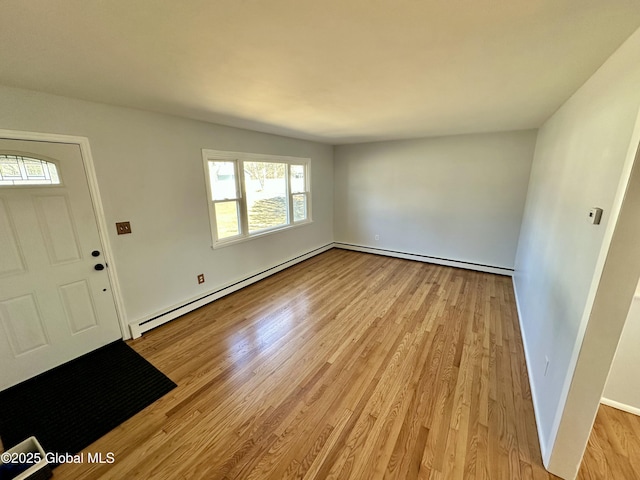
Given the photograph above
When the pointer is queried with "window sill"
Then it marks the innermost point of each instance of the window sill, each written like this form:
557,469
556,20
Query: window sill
264,233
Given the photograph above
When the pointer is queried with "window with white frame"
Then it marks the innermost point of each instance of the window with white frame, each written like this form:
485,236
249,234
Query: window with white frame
252,194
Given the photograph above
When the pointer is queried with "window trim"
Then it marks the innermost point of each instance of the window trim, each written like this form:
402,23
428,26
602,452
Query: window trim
239,158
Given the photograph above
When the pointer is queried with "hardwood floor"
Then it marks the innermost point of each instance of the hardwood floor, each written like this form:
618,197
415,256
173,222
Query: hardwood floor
614,447
348,365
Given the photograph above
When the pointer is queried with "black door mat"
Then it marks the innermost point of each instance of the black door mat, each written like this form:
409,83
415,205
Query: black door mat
73,405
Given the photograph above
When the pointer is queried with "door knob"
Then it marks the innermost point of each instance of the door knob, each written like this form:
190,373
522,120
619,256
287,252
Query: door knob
99,266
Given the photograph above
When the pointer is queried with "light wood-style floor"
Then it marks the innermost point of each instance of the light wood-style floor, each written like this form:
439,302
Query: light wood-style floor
348,365
613,452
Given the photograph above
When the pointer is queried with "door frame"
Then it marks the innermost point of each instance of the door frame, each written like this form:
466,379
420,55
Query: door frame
611,294
96,204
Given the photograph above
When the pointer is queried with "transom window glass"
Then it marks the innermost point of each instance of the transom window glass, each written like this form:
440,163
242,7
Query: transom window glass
252,194
18,170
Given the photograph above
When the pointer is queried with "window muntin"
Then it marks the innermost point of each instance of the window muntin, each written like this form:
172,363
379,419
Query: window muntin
251,194
17,170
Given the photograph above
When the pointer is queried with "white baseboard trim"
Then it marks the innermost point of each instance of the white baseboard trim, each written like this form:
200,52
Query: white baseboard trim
426,259
155,320
543,446
620,406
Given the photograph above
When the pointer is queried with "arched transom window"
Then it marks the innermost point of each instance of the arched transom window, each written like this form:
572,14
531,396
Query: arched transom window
19,170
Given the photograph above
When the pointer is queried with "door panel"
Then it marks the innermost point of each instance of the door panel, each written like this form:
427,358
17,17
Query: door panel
10,257
58,228
54,306
23,324
79,306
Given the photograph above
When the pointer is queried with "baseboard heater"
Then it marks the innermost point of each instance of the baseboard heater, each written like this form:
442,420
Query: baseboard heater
146,324
427,259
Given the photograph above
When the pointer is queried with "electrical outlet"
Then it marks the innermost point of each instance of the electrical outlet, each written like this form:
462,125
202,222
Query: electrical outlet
377,237
201,278
123,228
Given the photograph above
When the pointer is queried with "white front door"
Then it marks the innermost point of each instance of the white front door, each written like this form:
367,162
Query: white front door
55,303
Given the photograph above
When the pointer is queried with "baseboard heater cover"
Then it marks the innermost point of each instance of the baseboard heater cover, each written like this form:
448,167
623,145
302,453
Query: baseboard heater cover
146,324
427,259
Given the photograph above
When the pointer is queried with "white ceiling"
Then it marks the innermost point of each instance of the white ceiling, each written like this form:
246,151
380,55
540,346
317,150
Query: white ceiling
337,71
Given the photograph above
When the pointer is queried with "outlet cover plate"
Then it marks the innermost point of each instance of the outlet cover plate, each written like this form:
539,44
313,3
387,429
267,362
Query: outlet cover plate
123,228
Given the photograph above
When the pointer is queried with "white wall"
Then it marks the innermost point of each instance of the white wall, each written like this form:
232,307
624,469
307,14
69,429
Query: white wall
623,387
580,156
458,198
150,172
